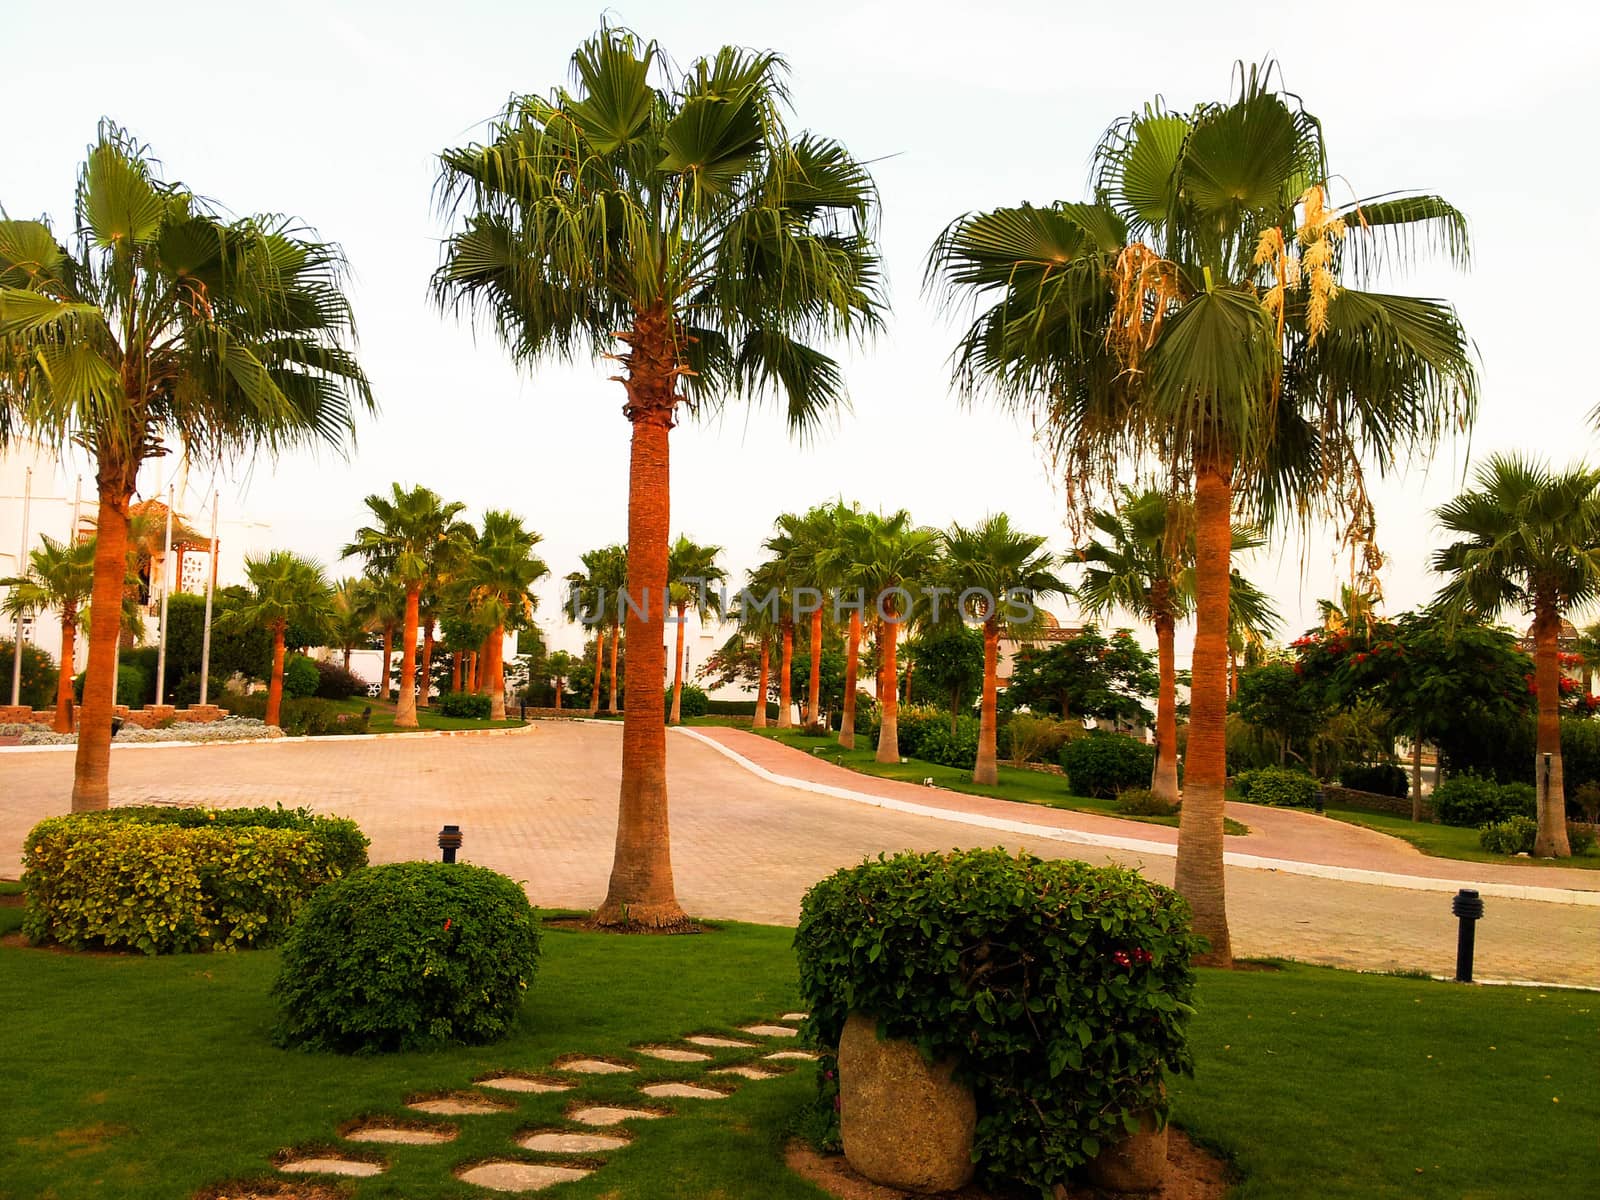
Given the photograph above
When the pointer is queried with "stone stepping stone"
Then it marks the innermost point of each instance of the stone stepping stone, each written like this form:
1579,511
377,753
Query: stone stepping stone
458,1106
770,1031
786,1055
509,1176
592,1066
687,1091
602,1115
400,1135
796,1016
523,1083
328,1165
672,1054
746,1072
720,1043
558,1141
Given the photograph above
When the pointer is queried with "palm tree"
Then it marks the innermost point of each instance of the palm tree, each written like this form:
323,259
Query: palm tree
450,557
1529,539
1145,567
60,576
673,212
558,667
597,593
285,589
850,545
405,542
774,582
804,541
692,575
354,606
1209,308
386,598
164,323
499,576
997,573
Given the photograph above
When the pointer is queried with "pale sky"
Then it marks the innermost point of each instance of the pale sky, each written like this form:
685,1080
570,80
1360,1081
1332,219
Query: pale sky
333,111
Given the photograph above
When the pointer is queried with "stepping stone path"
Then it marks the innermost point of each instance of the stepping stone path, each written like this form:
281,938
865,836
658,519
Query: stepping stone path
519,1176
593,1066
605,1114
785,1055
746,1072
719,1043
327,1165
401,1135
459,1106
522,1083
794,1016
558,1141
688,1091
770,1031
672,1054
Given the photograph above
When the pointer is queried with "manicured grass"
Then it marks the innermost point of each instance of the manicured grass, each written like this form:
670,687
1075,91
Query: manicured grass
1448,841
1015,783
145,1078
427,718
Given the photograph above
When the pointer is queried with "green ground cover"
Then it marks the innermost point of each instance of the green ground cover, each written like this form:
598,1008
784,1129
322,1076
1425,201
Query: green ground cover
382,720
151,1078
1448,841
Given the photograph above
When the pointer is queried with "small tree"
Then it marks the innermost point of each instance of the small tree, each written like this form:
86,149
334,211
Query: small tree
284,588
1273,698
1086,675
60,576
949,660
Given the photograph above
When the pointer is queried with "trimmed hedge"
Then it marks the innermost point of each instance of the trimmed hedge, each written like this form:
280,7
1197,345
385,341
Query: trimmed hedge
691,701
1381,779
1471,802
1142,802
1061,989
473,705
407,956
1105,763
1278,787
170,880
926,735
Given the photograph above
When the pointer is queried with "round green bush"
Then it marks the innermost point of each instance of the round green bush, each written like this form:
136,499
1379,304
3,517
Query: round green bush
473,705
1514,835
1105,763
1381,779
691,701
300,677
407,956
1472,802
1142,802
1061,989
1279,787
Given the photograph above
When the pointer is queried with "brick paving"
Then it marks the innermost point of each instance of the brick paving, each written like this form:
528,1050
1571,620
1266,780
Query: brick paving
541,806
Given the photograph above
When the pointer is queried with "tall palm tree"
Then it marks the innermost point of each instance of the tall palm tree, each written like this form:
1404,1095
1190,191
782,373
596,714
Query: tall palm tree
1145,567
598,593
693,578
774,583
410,527
386,599
997,572
1528,539
354,607
1209,308
285,589
165,324
60,576
557,668
849,545
449,561
499,576
671,211
804,542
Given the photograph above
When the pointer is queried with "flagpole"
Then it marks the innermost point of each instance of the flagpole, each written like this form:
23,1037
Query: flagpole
22,570
166,565
211,581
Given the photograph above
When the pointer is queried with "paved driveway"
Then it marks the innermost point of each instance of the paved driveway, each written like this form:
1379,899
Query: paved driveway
540,805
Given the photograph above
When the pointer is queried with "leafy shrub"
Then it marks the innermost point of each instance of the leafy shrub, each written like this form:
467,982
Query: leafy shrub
924,733
298,718
1038,739
1586,799
1514,835
1579,839
474,705
300,677
134,687
187,690
1471,802
1279,787
1106,763
166,880
691,701
38,674
335,683
1381,779
1580,751
1142,802
407,956
1062,989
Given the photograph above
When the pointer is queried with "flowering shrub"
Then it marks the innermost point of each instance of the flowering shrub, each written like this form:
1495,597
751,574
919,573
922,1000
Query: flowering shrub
407,956
1061,989
1514,835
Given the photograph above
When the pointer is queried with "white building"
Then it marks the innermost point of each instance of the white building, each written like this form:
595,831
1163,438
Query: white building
35,482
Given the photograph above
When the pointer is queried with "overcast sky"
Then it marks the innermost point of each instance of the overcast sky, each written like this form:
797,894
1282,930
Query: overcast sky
334,111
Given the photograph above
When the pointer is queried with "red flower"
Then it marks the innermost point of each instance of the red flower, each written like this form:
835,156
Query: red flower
1121,959
447,924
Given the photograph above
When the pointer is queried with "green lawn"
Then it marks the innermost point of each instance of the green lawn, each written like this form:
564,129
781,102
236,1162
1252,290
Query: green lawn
1026,787
427,718
151,1078
1448,841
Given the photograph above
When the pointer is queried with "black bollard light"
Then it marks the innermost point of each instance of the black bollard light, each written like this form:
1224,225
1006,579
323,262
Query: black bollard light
450,842
1468,907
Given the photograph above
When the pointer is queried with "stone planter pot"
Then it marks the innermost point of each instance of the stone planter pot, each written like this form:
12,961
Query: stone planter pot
1135,1163
904,1123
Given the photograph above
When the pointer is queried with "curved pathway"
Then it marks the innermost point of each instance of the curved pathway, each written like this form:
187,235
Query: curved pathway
541,806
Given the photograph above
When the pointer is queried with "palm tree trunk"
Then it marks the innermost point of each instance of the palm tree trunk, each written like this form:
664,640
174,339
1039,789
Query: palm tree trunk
560,684
888,721
814,689
1200,876
455,671
986,771
785,666
852,668
759,721
347,658
1416,777
911,665
472,671
275,680
405,712
641,888
497,674
1164,779
69,629
1551,840
599,670
427,664
611,689
677,670
91,782
388,657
